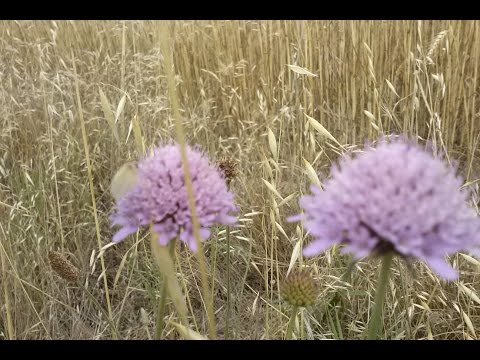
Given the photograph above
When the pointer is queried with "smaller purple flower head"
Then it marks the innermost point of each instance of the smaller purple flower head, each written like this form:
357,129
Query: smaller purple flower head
395,197
159,197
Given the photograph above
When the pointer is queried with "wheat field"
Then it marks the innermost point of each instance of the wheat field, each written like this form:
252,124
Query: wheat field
283,100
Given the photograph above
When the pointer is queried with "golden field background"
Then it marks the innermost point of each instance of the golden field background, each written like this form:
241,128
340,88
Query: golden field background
237,82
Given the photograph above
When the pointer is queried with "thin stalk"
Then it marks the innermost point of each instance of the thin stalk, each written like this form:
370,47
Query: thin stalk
92,193
168,63
95,301
163,299
166,264
291,323
20,282
10,329
375,320
227,316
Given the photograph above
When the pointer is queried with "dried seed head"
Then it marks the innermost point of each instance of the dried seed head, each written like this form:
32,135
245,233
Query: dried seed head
228,167
299,289
63,267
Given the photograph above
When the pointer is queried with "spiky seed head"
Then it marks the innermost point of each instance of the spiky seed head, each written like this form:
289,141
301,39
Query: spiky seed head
299,289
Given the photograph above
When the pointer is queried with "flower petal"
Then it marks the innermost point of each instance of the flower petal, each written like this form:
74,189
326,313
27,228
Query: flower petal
357,252
475,251
164,239
226,219
192,243
187,237
442,268
316,247
295,218
123,233
204,233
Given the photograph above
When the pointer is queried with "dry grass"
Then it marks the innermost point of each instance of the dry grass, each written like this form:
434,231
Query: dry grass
347,81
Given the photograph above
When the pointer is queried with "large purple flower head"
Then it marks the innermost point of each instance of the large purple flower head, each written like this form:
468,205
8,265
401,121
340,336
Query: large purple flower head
159,197
395,197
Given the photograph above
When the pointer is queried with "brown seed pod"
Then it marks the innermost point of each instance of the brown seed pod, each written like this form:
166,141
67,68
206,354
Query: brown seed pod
63,267
228,167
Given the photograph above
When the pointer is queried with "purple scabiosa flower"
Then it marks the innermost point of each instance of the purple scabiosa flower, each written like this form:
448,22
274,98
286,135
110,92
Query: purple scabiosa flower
395,197
159,197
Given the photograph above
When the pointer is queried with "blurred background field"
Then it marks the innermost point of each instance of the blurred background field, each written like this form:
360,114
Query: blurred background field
283,99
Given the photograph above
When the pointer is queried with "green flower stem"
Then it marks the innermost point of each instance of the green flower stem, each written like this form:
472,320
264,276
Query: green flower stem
227,316
163,299
375,320
291,323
